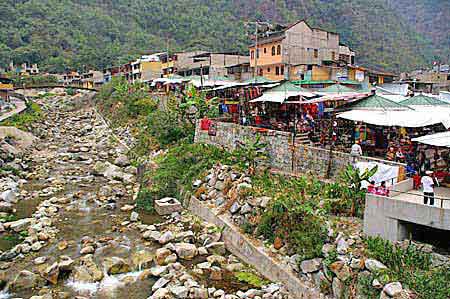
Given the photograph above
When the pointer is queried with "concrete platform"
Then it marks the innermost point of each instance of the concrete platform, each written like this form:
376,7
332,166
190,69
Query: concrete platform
392,218
441,194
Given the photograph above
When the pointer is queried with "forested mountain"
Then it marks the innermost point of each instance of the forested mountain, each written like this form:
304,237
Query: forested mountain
60,34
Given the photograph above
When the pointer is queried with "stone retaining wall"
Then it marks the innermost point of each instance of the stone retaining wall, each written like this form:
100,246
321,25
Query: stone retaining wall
254,255
282,155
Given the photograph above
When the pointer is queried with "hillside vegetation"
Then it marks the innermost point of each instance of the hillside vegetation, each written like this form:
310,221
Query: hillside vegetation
62,34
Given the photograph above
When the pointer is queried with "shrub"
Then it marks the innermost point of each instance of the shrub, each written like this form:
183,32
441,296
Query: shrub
292,216
177,169
168,129
144,200
412,267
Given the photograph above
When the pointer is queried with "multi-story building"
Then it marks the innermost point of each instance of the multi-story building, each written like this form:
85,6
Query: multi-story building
6,86
25,69
70,78
213,65
430,81
144,69
110,72
92,79
300,52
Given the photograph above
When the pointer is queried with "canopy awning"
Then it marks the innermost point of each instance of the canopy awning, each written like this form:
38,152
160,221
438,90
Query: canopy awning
281,96
439,139
283,92
340,97
400,118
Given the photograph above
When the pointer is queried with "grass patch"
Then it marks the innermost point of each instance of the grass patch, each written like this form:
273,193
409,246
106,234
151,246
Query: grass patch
8,218
32,113
251,279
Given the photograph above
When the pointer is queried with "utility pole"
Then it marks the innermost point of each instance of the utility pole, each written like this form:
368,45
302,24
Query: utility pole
257,24
255,71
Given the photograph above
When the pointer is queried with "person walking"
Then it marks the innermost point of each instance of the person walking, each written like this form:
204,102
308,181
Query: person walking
428,188
356,151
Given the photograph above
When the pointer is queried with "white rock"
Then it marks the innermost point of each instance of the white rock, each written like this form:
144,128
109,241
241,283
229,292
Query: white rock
166,237
374,265
393,289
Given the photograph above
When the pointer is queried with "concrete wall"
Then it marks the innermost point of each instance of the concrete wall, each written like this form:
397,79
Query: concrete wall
384,217
282,156
254,254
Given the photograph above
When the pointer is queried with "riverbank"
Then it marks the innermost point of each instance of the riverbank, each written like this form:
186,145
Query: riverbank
78,234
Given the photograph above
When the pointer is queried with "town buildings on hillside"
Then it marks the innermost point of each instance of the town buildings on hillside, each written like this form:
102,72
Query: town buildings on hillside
430,81
311,55
6,87
24,69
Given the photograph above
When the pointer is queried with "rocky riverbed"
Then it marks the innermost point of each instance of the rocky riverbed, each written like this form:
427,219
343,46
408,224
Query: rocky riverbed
70,229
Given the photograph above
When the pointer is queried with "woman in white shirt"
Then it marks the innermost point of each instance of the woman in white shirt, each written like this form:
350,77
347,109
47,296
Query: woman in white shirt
428,188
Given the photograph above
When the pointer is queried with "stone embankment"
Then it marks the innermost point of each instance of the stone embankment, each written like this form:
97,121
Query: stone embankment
222,197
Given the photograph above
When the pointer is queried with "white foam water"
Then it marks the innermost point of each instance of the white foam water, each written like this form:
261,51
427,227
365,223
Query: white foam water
5,295
109,283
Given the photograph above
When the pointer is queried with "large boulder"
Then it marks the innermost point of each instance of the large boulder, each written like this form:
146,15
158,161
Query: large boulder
9,196
122,161
51,273
116,265
88,271
19,225
26,280
186,251
309,266
374,265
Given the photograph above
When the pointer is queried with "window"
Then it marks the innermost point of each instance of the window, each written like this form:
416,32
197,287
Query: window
316,53
282,70
279,50
309,67
277,70
333,55
353,59
448,77
273,51
268,69
265,50
252,54
257,53
261,72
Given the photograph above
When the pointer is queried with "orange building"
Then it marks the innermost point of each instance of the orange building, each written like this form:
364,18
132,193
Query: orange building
300,52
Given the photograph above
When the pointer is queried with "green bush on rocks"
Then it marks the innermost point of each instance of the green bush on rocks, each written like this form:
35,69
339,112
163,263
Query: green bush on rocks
177,169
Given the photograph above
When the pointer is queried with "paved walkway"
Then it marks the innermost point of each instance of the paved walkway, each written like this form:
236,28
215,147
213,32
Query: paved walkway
20,106
416,196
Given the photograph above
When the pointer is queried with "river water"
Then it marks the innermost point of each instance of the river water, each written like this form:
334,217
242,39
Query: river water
61,170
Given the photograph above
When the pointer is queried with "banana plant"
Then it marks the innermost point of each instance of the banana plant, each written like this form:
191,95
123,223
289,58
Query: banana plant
353,178
196,106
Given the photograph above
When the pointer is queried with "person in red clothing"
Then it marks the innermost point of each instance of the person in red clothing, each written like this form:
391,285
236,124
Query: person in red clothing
371,188
382,190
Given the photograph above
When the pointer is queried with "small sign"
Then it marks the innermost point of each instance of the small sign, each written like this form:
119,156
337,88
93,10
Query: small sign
212,130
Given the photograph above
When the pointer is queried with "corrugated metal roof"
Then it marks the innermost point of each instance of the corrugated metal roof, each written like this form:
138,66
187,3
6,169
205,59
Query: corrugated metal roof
337,88
259,79
377,102
288,86
311,82
421,100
